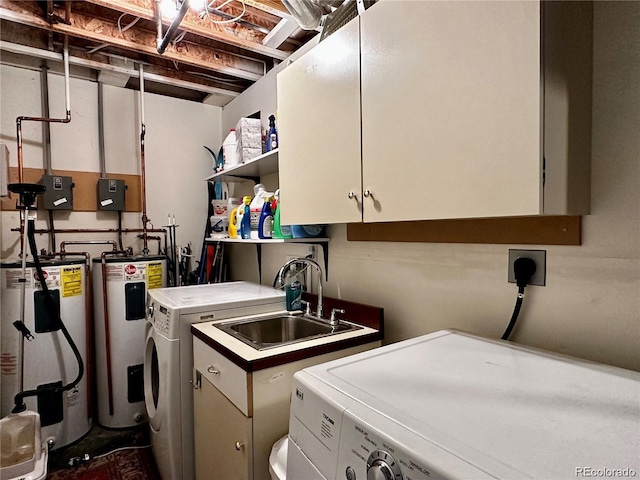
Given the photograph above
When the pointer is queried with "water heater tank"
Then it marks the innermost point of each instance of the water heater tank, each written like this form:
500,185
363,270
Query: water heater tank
119,319
48,358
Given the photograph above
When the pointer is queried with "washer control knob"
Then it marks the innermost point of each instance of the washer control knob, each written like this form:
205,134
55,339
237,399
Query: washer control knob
350,473
382,466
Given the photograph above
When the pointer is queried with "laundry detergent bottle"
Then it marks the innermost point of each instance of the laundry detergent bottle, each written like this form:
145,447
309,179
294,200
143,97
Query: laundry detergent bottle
245,221
233,225
260,196
265,228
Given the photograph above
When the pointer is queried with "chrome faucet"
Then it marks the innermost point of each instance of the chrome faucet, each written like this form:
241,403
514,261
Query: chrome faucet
308,262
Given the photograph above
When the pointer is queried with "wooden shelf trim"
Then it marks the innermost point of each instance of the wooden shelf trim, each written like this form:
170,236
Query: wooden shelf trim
542,230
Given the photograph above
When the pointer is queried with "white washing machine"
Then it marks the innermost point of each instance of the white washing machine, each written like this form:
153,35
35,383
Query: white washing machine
168,360
453,405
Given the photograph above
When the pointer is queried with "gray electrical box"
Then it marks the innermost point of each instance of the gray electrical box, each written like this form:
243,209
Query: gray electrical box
111,194
59,193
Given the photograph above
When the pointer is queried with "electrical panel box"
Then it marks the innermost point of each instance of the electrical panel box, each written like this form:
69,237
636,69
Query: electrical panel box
59,193
111,194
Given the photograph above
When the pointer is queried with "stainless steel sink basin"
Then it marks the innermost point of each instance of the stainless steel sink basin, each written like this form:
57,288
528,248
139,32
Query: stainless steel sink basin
278,330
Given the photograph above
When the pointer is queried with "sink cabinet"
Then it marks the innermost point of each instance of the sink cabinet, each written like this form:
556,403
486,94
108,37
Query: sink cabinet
240,414
440,110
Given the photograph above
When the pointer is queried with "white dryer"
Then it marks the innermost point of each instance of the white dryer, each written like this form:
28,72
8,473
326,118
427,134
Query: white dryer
453,405
168,361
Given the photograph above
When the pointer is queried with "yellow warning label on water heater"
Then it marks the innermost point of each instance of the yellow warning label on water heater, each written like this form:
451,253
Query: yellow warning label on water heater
154,275
71,281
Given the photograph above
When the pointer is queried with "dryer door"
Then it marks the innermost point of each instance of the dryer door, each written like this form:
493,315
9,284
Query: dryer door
160,361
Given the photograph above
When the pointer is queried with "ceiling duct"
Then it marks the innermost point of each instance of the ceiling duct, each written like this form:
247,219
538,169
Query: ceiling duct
307,13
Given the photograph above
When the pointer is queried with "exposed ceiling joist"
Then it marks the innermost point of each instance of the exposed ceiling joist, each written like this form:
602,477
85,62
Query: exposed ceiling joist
151,73
139,41
241,37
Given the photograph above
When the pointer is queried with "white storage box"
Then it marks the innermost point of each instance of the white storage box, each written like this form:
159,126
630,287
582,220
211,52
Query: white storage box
249,137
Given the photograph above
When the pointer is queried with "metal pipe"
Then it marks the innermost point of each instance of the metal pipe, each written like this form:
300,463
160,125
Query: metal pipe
19,120
120,230
143,180
162,45
94,230
103,163
52,231
86,242
46,127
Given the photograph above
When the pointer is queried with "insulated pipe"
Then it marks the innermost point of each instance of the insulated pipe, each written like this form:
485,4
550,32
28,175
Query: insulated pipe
105,308
143,181
163,42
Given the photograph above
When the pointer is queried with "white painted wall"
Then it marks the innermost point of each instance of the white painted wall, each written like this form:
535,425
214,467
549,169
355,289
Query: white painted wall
176,162
590,307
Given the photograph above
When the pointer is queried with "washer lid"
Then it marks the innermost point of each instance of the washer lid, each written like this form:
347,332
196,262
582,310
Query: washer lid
196,298
492,402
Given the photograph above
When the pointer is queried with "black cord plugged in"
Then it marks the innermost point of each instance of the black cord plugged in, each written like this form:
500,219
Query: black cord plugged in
523,268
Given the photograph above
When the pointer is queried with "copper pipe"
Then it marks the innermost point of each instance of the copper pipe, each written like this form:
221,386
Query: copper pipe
107,339
19,120
87,242
93,230
67,119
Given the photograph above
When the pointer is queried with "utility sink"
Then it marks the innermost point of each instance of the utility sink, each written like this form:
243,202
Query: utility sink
278,330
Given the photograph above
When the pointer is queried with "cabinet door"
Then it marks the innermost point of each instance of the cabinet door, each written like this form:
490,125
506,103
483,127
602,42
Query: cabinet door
451,109
319,132
218,426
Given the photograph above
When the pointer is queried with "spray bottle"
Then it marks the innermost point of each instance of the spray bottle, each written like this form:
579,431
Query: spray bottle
272,136
245,223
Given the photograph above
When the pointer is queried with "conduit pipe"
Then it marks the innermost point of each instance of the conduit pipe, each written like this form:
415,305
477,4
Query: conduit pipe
103,160
164,41
143,180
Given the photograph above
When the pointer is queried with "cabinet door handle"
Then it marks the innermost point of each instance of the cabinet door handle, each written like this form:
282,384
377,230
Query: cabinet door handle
367,194
239,445
211,369
352,195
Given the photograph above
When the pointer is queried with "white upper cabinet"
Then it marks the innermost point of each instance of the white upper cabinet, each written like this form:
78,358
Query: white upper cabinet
319,132
463,110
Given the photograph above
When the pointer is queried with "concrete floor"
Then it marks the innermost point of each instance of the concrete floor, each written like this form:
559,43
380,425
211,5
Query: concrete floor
98,441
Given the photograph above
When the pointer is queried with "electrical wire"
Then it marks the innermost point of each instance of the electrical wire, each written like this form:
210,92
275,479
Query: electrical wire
514,315
121,449
121,29
224,4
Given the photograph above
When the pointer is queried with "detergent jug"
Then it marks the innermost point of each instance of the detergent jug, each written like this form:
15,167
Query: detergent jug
260,196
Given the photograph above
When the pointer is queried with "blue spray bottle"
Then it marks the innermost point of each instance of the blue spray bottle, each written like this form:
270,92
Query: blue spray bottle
272,136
